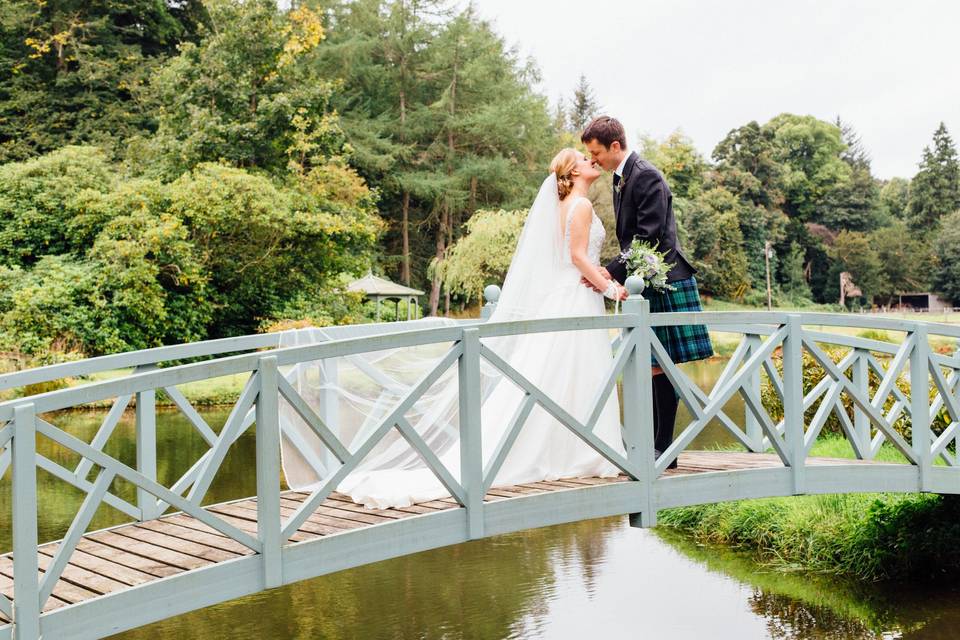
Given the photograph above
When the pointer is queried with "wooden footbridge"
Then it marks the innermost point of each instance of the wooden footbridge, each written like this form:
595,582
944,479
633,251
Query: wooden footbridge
178,553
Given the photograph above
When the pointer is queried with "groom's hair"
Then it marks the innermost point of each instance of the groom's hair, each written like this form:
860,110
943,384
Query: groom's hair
605,130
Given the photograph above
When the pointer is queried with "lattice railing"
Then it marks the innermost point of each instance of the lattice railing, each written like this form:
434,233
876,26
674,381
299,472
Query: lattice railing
772,349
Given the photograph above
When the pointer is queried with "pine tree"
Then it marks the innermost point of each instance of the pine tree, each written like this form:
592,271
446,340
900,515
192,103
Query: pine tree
935,190
853,203
584,106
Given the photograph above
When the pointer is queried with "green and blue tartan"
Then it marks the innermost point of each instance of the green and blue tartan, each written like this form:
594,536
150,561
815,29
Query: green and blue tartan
684,342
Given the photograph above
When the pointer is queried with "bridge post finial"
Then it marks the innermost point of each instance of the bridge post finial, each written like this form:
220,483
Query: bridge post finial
491,294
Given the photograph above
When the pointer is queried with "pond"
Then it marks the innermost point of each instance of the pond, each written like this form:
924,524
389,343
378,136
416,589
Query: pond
597,578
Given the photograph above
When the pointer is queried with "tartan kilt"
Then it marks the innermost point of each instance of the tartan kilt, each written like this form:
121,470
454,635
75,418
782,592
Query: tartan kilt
683,342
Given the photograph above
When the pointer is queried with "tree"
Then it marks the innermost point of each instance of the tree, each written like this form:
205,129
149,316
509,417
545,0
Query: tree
716,244
48,203
946,278
852,252
679,161
895,199
935,190
459,130
746,165
793,280
853,203
71,70
482,255
808,152
492,132
906,260
246,95
583,107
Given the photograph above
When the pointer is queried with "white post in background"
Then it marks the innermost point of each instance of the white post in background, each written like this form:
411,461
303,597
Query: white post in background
638,403
793,399
920,403
471,456
26,584
491,294
268,473
329,403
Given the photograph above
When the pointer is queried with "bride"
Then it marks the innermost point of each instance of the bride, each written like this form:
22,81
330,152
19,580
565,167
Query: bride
560,243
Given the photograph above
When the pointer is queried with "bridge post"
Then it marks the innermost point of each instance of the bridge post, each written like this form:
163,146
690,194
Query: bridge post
861,422
638,406
268,473
146,436
754,431
471,456
920,404
793,399
26,583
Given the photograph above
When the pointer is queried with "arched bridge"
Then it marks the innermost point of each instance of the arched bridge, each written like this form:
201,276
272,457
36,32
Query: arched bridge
178,553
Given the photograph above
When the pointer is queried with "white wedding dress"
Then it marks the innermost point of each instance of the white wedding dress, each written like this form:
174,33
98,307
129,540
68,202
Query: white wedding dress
569,367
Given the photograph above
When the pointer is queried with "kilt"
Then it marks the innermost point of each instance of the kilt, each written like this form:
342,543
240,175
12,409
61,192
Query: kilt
683,342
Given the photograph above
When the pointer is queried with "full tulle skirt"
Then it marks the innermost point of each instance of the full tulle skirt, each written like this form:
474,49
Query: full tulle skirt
569,367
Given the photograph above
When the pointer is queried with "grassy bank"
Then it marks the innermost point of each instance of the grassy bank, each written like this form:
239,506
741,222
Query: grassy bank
866,536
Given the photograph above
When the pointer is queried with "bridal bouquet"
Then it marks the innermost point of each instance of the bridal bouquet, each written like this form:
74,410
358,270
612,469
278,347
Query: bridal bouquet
648,263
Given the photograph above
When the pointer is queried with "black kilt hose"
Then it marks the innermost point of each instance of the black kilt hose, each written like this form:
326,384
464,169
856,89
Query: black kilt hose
683,342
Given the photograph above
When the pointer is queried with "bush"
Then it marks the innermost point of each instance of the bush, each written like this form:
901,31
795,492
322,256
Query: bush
871,537
813,373
95,265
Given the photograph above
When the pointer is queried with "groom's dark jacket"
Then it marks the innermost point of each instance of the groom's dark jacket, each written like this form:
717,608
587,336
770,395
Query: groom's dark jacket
644,208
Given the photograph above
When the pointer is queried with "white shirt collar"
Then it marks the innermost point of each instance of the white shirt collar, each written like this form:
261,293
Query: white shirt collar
623,163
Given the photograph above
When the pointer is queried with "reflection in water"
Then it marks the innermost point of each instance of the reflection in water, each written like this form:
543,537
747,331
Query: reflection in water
590,579
789,619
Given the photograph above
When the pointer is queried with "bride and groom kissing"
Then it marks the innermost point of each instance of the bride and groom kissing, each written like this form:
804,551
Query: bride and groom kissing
556,272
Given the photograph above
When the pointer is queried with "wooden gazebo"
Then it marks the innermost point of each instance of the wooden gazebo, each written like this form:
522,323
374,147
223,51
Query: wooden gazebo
380,289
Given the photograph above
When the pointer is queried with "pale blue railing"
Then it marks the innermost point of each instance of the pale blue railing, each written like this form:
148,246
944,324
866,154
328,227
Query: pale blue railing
275,560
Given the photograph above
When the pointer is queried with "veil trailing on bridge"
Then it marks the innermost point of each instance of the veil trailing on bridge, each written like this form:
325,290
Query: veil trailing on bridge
355,394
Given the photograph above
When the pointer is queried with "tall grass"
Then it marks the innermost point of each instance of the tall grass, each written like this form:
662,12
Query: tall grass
867,536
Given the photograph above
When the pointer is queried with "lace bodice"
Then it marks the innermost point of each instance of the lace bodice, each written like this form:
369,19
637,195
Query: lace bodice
595,241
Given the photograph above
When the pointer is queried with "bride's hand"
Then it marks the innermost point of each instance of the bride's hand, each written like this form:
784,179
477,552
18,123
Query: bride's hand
615,291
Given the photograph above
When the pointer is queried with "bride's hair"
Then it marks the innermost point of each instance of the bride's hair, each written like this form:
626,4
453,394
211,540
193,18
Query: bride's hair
562,165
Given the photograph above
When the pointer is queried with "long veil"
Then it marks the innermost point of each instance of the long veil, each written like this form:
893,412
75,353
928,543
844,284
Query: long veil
354,394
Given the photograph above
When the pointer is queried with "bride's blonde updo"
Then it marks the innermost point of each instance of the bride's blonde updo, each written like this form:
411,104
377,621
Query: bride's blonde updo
563,165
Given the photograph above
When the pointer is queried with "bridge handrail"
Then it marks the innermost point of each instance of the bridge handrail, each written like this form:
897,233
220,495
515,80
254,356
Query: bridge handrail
764,333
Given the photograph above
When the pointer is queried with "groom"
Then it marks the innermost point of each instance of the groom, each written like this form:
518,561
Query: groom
644,209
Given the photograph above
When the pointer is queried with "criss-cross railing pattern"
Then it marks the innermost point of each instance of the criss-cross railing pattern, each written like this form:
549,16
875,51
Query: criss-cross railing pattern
884,385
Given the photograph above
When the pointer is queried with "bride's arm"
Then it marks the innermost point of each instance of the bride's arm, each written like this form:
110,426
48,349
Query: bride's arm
582,218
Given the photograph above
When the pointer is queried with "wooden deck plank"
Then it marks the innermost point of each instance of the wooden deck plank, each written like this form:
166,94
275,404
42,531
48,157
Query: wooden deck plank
185,547
105,568
147,550
316,522
82,578
63,592
149,566
193,535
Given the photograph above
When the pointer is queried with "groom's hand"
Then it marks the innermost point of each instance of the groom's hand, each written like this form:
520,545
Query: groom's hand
587,283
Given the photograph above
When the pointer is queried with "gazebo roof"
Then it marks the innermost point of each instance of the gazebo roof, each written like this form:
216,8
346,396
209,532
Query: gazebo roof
376,286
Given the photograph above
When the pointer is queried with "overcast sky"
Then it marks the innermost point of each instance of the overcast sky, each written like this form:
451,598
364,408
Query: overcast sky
890,68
